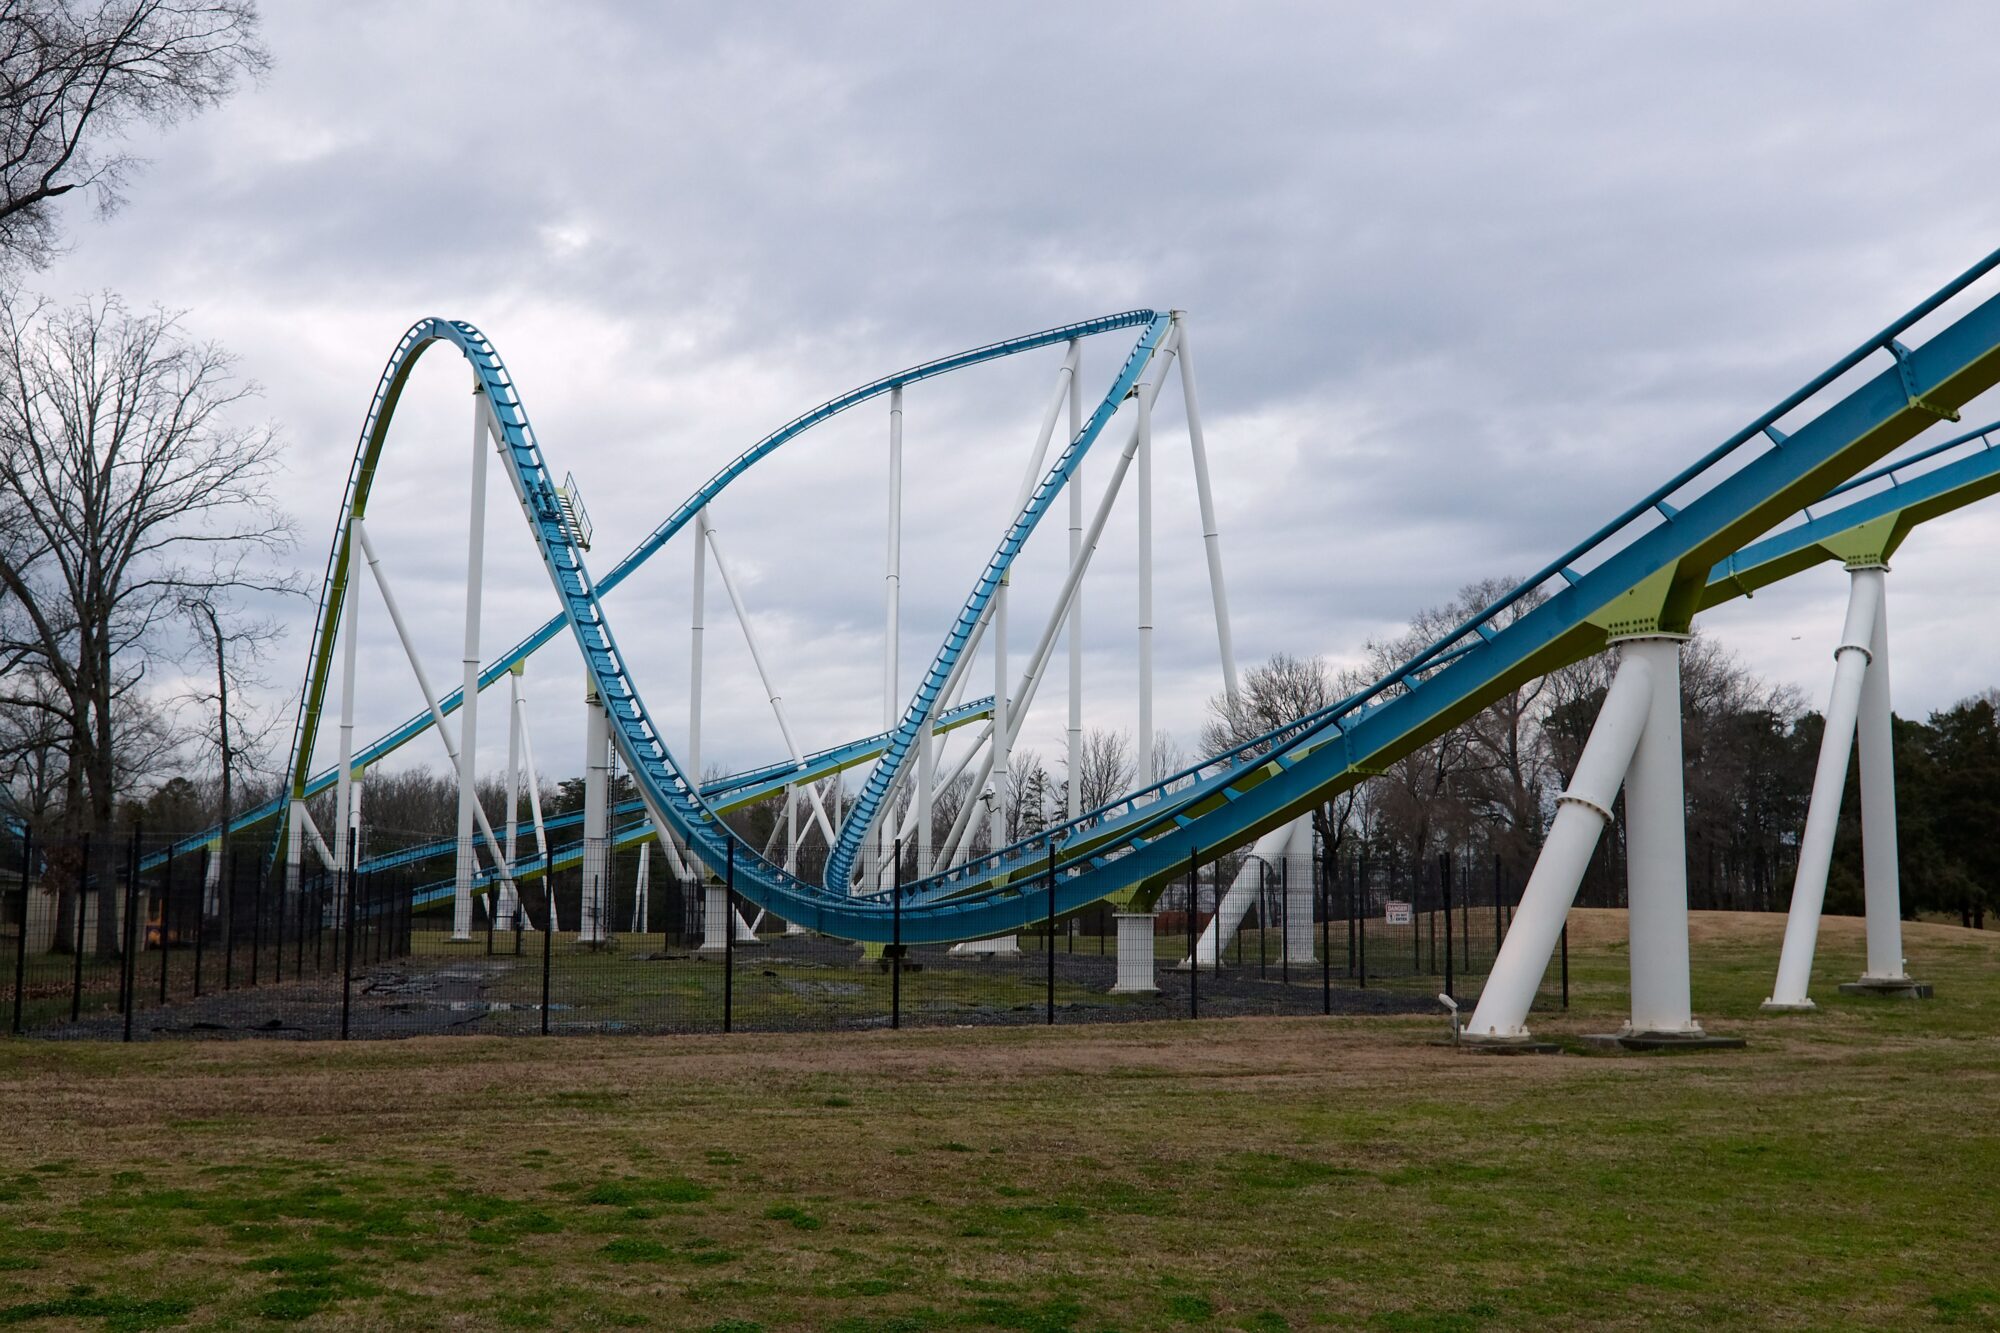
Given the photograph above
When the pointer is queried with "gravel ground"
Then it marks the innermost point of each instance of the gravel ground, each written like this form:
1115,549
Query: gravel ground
789,983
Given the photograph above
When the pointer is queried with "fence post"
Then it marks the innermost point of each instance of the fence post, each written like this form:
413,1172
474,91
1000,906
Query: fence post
1361,913
1194,938
21,942
729,937
233,871
1325,932
82,907
1565,965
1498,927
166,898
200,915
278,959
256,922
1051,991
896,941
129,964
1444,882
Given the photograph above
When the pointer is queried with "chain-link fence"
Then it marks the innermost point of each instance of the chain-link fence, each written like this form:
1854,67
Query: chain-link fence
122,938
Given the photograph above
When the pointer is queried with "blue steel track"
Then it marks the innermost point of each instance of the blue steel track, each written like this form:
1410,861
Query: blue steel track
1652,566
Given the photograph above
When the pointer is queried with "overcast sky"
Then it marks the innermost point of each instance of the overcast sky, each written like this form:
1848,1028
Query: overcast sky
1462,280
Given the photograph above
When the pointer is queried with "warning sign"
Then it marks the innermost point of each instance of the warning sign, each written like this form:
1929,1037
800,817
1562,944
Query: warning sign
1397,914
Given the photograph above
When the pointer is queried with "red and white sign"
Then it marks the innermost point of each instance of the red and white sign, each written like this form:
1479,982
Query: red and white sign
1397,914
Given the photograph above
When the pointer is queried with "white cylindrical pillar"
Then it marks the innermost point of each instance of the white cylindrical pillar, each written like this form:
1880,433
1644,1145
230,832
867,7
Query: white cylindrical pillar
1874,732
1211,533
697,593
468,705
1073,796
1656,850
1298,883
1264,856
593,916
1002,750
1581,814
344,852
1135,954
503,919
1143,401
714,917
1850,668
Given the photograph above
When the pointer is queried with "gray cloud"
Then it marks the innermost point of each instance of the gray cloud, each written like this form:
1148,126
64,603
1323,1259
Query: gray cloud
1464,281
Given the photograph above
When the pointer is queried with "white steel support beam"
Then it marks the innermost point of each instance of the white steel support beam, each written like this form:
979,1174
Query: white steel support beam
1656,851
345,853
1211,536
1881,887
893,581
444,731
1073,796
1002,751
1297,882
757,659
475,569
1148,386
1581,814
1850,669
593,916
698,590
535,810
503,919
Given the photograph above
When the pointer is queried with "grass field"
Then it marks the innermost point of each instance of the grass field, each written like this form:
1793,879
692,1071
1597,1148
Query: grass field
1257,1174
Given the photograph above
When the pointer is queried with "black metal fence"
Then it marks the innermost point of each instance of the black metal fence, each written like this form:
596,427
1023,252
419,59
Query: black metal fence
113,938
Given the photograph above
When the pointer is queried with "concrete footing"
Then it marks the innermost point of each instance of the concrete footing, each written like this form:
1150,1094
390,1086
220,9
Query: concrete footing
1785,1007
1663,1041
1523,1044
1135,954
997,944
1904,988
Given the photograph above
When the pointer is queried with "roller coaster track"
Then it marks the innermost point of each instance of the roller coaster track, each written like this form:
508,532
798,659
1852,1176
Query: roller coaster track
1927,484
1677,550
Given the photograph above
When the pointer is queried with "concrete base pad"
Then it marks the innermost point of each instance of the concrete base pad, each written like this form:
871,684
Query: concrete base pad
1774,1007
1894,987
1133,990
1663,1041
1503,1045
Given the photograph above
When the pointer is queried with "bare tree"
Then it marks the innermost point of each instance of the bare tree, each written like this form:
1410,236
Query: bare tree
1275,696
229,645
1104,768
140,494
75,75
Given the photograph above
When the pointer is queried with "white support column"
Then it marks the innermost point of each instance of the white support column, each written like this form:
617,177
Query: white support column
443,728
592,916
1235,904
1135,954
1002,727
757,660
1144,403
295,847
926,794
640,887
1850,668
535,811
475,569
509,901
1881,885
1581,814
1298,887
1656,852
1211,535
1073,798
698,596
344,810
892,579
